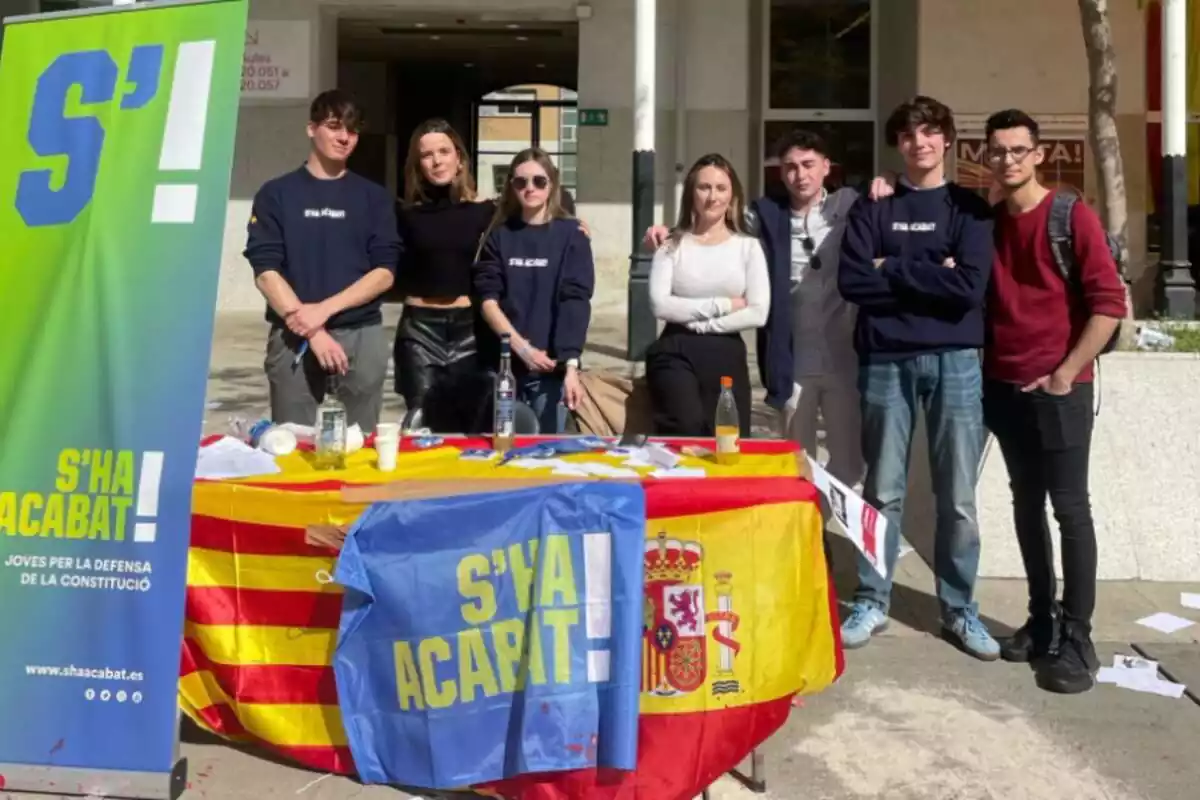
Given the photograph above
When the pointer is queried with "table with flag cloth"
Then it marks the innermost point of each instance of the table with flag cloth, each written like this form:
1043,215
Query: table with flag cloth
262,615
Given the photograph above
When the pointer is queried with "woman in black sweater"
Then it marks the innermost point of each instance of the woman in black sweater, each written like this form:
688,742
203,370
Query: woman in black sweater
441,223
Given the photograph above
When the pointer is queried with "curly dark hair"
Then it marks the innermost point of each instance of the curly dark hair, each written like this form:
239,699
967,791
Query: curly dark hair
917,112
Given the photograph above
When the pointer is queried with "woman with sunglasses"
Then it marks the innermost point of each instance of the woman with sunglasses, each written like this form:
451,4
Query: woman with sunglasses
441,222
534,278
709,283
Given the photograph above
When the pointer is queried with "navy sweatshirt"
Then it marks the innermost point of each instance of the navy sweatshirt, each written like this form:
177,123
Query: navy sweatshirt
543,277
912,304
322,236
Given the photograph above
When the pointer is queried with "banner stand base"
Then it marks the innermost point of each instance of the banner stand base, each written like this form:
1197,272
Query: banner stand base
109,784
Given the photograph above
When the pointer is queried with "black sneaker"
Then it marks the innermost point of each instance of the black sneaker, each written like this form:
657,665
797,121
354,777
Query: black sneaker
1034,640
1071,668
1082,634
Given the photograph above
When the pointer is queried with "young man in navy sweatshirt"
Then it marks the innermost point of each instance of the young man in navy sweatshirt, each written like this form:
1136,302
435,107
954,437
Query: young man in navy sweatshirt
1045,329
917,264
324,247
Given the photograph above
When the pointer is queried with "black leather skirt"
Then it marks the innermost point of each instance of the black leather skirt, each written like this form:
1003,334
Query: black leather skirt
433,346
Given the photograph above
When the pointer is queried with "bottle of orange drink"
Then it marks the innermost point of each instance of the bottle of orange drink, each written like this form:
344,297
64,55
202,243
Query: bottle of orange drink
727,424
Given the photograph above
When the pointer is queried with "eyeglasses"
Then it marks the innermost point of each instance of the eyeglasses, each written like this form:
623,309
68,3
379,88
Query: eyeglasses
999,154
521,183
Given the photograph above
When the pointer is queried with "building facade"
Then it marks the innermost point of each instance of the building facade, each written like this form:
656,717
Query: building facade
732,75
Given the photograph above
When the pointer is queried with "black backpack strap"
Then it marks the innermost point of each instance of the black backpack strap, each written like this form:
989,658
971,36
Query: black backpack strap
1062,243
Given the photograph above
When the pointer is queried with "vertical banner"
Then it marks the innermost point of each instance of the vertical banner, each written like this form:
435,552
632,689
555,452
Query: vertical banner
117,137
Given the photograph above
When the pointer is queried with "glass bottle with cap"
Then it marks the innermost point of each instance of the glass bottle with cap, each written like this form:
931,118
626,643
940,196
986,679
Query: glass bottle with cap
504,395
331,429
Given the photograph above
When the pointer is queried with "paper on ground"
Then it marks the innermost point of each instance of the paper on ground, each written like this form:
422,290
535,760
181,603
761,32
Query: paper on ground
1189,600
1165,623
861,523
1140,680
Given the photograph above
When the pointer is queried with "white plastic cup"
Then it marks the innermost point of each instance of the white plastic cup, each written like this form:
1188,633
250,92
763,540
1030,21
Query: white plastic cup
277,441
387,445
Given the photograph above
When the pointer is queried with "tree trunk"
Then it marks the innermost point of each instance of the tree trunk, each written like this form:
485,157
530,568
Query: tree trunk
1102,128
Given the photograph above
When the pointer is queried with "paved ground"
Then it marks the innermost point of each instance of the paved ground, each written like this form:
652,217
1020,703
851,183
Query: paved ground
912,719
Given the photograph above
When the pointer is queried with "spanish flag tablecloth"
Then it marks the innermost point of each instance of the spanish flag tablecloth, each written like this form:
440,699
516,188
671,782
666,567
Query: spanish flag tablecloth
262,616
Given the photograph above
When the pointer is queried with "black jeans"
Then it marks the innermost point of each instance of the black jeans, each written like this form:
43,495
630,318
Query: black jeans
684,371
1046,441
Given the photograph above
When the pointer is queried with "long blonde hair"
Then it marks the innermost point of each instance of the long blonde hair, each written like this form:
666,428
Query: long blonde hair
462,188
735,215
509,204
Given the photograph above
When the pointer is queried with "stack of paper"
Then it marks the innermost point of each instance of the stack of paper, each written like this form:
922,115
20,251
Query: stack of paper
1140,675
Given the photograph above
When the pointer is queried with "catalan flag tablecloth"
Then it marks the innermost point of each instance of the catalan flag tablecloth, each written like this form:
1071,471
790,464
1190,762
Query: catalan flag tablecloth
262,616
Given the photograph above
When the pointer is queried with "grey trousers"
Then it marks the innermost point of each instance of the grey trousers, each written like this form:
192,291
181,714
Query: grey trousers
297,389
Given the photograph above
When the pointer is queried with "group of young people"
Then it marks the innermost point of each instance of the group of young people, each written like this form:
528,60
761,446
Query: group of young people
868,304
913,293
327,245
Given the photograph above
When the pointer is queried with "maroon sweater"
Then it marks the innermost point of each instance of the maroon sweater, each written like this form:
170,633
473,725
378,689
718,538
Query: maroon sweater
1033,317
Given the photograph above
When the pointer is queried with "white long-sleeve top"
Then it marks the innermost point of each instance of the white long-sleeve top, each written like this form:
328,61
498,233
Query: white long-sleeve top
693,284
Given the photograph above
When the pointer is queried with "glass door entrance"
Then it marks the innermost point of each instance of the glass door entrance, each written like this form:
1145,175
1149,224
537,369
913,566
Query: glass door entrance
519,117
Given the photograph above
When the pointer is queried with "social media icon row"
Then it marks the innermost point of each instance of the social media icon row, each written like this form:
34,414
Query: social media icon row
105,695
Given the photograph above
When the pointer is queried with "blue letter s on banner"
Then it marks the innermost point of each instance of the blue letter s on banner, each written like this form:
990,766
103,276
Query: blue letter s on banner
80,139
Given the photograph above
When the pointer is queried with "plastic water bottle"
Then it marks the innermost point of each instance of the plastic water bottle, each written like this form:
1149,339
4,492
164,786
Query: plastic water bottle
504,395
727,424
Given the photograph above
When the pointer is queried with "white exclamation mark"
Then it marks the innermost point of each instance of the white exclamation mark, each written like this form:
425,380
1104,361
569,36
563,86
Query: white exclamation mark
147,497
183,135
597,566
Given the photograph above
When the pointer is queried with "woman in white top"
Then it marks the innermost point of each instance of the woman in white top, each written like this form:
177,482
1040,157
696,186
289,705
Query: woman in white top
709,283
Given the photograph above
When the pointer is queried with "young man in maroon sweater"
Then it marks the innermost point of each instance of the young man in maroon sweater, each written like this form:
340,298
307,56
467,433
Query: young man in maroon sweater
1043,334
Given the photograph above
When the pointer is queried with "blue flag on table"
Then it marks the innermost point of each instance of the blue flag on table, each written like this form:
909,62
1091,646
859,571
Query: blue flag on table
492,635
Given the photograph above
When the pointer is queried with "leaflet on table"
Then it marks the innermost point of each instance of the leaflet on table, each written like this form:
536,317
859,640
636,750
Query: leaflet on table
229,458
858,520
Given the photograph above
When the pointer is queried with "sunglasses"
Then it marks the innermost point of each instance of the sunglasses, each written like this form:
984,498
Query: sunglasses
810,249
539,182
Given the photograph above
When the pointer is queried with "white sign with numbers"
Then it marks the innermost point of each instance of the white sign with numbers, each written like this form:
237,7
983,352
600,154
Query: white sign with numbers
277,60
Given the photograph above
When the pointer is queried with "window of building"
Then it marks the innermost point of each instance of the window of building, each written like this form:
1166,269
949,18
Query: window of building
568,122
499,177
820,54
819,73
495,105
567,173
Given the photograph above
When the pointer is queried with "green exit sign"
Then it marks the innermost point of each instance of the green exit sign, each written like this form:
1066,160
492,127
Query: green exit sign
593,117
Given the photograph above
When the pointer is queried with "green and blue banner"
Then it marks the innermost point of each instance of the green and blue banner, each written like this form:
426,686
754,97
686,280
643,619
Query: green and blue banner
117,140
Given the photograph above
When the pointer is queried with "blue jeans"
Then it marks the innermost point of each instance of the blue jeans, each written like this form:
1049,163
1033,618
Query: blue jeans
949,387
546,395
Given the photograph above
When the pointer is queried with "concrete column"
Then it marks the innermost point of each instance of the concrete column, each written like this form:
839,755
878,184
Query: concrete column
1177,290
640,322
